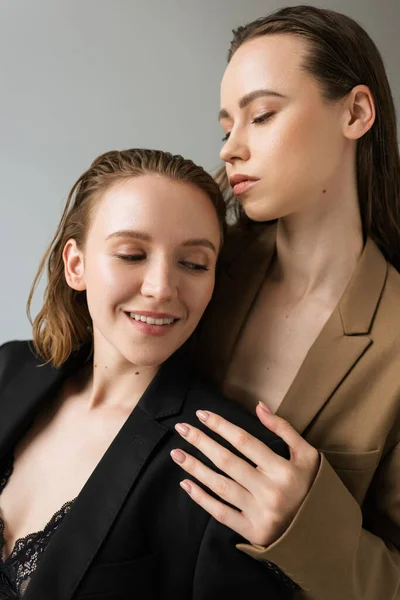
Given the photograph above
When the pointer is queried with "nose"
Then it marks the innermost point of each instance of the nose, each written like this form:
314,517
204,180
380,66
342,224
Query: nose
160,281
235,148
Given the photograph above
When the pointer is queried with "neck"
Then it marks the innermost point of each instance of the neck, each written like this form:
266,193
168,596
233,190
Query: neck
116,383
317,250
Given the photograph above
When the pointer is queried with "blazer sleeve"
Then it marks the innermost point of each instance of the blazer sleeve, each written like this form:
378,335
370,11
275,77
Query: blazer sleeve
224,572
328,551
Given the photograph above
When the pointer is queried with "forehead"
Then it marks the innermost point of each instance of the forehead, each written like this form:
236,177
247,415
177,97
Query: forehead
157,203
269,61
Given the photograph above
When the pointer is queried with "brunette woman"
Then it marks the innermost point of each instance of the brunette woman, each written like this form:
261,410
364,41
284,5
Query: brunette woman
305,323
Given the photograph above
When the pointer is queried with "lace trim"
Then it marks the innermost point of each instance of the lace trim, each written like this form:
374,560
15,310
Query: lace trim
17,570
7,473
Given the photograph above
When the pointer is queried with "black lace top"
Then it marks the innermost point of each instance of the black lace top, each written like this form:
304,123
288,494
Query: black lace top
16,571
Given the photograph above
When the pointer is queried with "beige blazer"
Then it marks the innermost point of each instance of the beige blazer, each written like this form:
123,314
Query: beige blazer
345,400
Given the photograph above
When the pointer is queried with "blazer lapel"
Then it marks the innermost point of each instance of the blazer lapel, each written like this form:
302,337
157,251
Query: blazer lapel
327,363
93,513
342,342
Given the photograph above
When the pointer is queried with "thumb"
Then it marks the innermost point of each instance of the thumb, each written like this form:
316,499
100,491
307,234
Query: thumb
282,429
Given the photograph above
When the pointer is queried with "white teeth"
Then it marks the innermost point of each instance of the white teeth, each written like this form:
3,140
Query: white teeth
151,320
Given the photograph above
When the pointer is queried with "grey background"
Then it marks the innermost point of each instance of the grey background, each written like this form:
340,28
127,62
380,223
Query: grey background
79,77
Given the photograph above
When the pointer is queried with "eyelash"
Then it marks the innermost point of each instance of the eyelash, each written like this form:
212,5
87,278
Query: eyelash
194,266
130,257
257,121
137,257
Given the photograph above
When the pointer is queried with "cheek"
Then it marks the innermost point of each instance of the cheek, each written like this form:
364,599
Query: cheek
108,280
290,143
297,150
198,295
98,277
313,138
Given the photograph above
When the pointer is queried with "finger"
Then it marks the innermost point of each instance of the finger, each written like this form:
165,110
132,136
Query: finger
298,446
225,488
222,513
255,450
237,468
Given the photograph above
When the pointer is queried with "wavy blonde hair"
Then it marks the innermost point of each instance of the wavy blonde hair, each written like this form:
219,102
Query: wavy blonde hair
64,323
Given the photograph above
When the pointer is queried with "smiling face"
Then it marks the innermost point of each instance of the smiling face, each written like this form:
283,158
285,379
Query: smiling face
148,266
282,137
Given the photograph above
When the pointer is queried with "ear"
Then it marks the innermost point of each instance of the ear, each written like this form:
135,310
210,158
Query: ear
74,266
360,112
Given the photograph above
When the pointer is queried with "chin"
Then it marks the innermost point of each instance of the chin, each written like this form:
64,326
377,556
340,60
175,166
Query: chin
260,210
153,355
259,214
147,359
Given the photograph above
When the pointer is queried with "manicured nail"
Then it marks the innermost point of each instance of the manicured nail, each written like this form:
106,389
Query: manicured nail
182,429
265,408
178,456
202,415
186,486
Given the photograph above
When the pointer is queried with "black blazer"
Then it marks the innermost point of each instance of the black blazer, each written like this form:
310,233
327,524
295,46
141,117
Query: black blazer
133,532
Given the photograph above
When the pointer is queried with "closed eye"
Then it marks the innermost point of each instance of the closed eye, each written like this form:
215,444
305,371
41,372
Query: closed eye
194,266
262,118
256,121
131,257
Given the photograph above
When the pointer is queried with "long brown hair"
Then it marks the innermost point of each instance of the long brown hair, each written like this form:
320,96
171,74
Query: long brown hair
64,323
340,56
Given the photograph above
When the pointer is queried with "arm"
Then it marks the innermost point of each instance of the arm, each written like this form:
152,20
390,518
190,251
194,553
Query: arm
340,558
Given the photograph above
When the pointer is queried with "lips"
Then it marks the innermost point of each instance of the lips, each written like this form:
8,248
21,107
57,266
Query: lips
153,314
149,326
152,320
241,183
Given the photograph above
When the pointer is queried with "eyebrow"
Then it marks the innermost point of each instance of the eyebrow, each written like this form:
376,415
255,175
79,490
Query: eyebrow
145,237
200,242
248,99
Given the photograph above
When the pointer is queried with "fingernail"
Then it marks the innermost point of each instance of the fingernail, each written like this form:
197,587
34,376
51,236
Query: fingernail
182,429
178,456
186,486
202,415
265,408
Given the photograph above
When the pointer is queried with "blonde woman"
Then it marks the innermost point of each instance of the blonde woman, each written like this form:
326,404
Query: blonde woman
90,410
